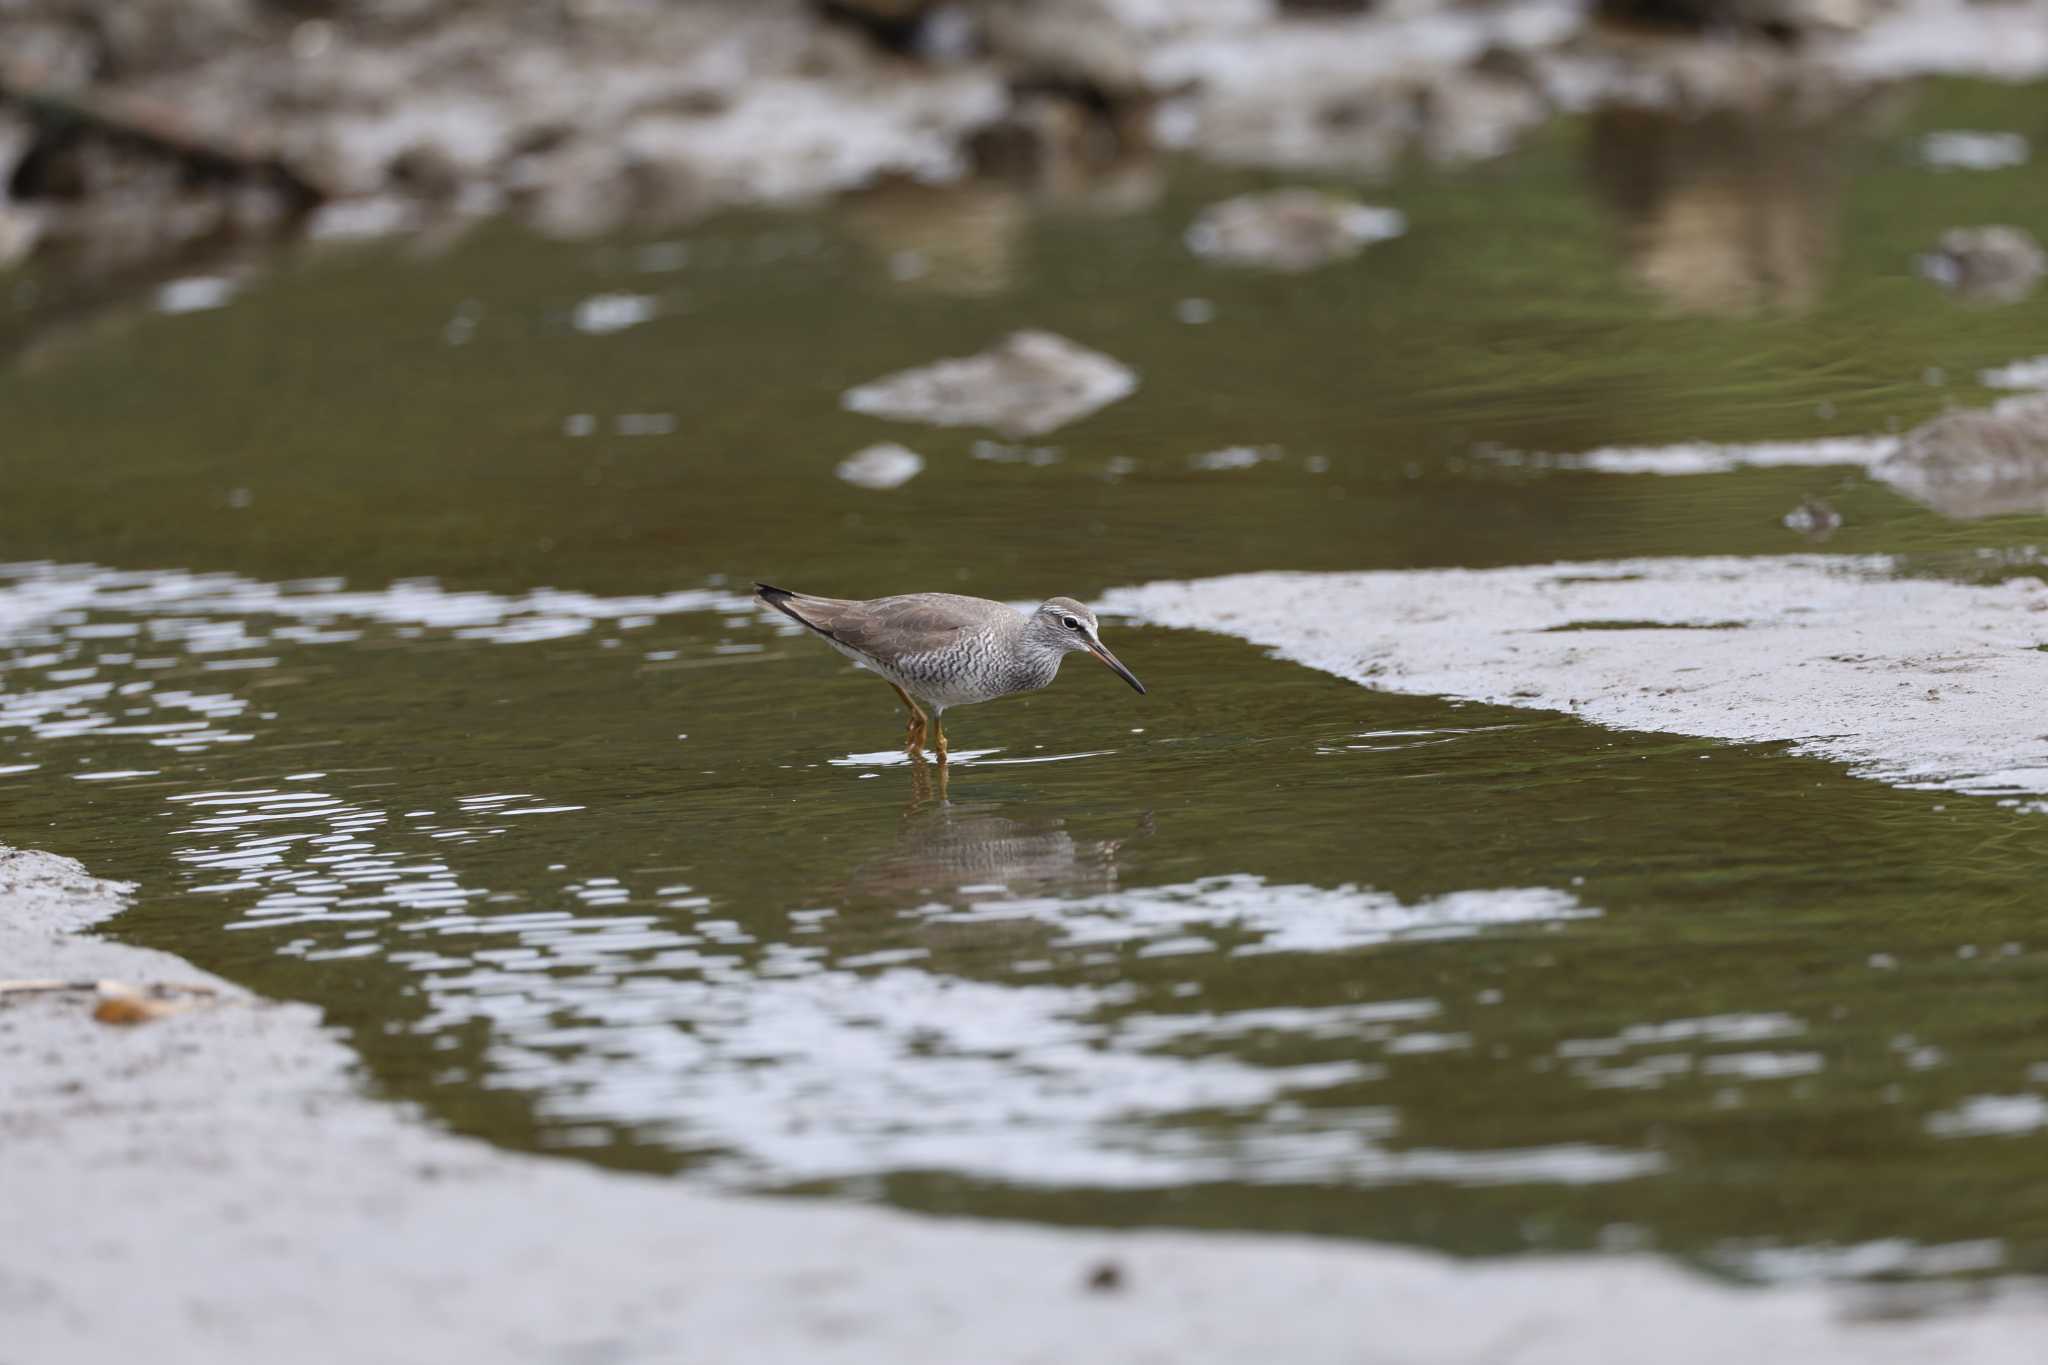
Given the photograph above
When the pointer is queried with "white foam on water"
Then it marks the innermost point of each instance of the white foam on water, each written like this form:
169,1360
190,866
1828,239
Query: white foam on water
1991,1116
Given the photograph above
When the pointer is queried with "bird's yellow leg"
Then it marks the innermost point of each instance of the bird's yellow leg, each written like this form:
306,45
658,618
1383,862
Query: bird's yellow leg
939,739
913,736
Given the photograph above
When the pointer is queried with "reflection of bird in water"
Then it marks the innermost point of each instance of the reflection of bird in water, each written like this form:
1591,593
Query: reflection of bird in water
960,852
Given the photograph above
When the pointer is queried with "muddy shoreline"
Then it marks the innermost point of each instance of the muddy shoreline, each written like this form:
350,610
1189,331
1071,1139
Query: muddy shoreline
216,1186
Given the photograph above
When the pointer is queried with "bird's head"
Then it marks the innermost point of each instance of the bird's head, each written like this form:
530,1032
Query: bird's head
1064,625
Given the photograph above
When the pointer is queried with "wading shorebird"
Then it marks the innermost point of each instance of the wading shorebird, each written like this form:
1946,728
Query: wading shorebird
944,650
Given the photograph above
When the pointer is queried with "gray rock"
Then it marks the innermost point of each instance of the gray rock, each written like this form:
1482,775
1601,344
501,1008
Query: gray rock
1294,229
1979,462
1995,264
1027,384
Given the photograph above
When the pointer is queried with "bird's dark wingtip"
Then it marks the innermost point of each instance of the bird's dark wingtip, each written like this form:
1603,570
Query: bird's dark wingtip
771,594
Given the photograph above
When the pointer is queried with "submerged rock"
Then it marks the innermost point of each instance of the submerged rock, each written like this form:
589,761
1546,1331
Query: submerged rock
1995,264
1027,384
1980,462
1295,229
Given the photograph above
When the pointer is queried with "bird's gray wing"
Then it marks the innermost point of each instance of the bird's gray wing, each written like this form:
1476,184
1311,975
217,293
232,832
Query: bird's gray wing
891,627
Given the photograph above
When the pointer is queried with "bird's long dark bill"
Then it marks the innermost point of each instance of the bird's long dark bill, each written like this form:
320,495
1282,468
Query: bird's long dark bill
1095,647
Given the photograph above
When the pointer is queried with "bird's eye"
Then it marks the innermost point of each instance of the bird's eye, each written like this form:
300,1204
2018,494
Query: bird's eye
1070,623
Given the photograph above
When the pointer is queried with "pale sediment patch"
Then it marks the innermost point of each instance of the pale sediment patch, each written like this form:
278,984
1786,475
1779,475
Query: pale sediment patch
1914,681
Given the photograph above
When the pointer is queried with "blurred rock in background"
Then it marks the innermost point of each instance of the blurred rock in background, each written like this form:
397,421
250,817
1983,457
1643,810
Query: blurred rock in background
134,131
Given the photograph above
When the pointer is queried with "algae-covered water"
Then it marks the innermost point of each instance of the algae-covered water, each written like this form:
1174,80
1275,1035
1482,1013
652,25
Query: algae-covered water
387,623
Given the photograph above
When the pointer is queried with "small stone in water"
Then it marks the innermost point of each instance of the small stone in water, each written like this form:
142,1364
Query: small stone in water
602,313
881,466
195,294
1234,457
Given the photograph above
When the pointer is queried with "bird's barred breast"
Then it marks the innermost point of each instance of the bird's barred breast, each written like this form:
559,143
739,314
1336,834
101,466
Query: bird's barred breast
975,668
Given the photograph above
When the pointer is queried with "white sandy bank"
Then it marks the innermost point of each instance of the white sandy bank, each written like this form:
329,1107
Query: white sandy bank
1914,681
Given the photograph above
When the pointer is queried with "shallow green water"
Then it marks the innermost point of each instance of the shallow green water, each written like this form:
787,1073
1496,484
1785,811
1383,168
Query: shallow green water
621,871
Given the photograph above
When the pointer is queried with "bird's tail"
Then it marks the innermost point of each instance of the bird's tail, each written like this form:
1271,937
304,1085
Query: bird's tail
781,599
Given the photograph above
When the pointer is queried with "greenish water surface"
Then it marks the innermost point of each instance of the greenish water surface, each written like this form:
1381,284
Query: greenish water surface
388,627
